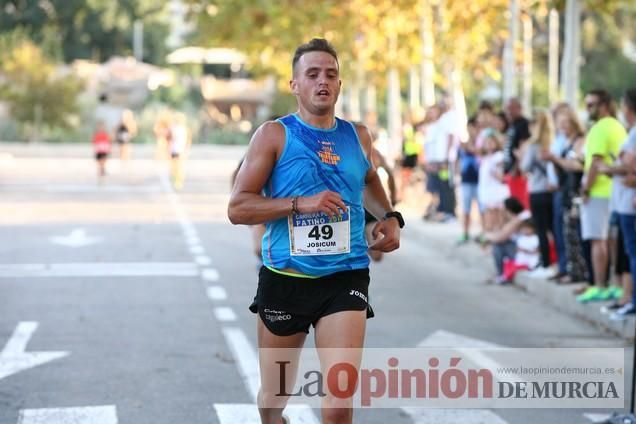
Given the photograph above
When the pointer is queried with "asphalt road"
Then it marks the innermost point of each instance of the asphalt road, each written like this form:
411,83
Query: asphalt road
125,302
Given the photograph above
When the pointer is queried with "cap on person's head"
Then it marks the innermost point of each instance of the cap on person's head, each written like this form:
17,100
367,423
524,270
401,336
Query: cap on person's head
314,45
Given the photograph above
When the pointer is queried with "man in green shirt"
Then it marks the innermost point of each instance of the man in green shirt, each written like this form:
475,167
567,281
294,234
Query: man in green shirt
602,145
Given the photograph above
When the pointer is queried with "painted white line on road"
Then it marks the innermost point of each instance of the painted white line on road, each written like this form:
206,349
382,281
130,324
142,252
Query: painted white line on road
248,368
81,188
20,338
597,418
469,347
231,413
76,238
84,415
246,359
197,250
216,293
189,231
13,357
210,274
224,314
193,240
453,416
100,269
202,260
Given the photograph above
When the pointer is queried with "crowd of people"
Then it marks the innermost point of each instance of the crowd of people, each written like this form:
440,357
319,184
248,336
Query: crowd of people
553,196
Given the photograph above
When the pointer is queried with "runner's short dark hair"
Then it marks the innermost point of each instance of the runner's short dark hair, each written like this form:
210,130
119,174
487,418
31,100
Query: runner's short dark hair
315,45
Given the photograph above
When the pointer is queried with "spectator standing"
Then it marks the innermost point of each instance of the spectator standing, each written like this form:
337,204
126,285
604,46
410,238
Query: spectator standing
602,146
623,199
568,163
539,185
469,176
518,132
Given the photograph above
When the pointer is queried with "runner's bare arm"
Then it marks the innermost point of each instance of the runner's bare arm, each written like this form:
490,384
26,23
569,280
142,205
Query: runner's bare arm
376,201
247,204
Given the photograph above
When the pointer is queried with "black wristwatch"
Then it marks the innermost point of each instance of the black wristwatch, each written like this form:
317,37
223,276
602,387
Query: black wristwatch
396,215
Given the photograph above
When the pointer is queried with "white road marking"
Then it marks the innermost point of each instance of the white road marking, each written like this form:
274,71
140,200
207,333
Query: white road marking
248,368
189,231
13,357
81,188
210,274
453,416
197,250
596,418
193,240
100,269
202,260
76,238
216,293
224,314
246,359
84,415
231,413
469,347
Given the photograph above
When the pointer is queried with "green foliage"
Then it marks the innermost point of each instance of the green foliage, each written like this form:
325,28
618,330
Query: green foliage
605,65
35,93
90,29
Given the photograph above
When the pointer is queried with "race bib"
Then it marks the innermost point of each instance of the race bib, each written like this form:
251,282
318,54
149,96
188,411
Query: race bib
316,233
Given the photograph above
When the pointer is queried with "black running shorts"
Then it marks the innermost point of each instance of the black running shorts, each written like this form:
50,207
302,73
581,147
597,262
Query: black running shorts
289,305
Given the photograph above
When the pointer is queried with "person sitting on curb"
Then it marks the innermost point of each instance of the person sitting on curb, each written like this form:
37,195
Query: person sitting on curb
503,239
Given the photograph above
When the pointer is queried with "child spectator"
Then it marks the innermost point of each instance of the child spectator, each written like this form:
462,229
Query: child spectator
491,190
526,256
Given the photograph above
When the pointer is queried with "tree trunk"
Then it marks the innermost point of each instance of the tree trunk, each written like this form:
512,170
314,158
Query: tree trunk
553,57
427,83
527,63
509,71
414,91
394,113
571,53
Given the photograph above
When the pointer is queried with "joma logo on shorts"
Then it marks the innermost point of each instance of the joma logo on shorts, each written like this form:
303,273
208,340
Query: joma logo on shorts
357,293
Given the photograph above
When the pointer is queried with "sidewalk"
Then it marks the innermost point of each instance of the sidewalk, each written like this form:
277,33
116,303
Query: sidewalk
560,297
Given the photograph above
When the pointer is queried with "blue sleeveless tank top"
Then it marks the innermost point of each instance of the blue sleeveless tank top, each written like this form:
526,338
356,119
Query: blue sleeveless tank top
314,160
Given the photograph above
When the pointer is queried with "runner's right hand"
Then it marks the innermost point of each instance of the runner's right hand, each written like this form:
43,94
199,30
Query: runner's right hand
326,201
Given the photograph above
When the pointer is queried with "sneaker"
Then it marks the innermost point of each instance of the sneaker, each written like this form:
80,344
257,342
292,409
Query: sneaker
540,273
463,239
502,281
623,313
608,309
591,294
614,292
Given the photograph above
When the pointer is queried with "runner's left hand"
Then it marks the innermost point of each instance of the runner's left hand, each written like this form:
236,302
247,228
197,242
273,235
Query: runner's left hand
390,231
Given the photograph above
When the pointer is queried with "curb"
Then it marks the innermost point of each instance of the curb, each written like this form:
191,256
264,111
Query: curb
562,299
559,297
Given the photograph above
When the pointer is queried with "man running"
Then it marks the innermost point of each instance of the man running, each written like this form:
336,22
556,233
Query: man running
318,176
